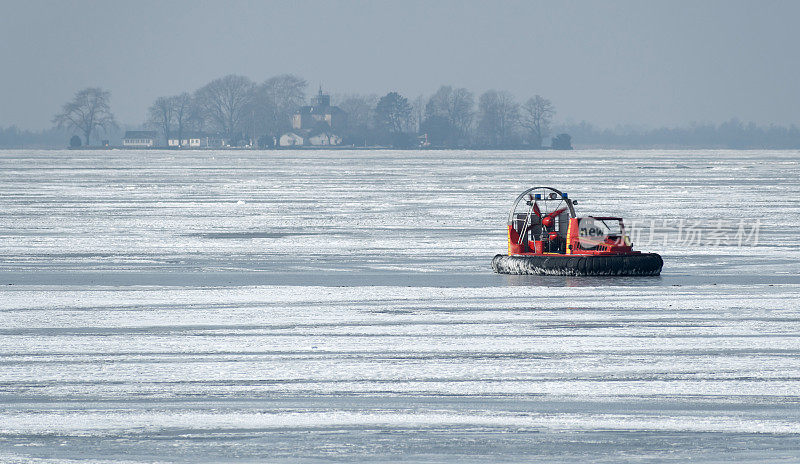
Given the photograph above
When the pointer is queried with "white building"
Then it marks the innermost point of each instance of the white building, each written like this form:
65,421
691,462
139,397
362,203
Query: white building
189,141
324,138
290,139
139,139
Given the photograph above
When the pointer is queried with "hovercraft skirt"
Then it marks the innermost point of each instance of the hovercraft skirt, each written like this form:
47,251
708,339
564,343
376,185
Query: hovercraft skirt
645,264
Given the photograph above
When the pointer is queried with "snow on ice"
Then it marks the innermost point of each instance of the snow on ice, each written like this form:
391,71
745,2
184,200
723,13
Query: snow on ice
345,309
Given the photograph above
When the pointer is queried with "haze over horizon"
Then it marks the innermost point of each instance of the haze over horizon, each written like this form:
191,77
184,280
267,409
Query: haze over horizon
610,63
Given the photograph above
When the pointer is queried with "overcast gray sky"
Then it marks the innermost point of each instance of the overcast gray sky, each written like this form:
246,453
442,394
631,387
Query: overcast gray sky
606,62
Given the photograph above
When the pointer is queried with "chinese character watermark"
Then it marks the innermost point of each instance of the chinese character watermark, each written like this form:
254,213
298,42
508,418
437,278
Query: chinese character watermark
686,233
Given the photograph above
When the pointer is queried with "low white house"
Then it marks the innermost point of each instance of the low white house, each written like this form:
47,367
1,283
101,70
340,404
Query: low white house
189,141
290,139
324,138
139,139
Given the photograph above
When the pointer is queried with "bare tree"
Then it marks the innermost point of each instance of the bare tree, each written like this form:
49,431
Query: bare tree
196,119
160,116
275,102
360,110
498,116
455,106
286,93
537,114
88,112
418,113
461,111
182,111
225,102
168,113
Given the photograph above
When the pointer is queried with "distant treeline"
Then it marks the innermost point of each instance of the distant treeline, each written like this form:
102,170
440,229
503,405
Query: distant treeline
12,137
245,113
255,114
732,134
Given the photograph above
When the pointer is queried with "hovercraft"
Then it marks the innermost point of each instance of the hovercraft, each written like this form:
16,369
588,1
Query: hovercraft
545,237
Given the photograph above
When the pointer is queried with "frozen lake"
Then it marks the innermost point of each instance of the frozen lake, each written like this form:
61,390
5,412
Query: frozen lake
307,306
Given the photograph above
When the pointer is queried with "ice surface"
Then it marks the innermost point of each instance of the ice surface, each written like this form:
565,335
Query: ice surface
309,306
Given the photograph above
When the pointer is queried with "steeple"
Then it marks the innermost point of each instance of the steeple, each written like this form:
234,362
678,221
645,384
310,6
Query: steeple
322,100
